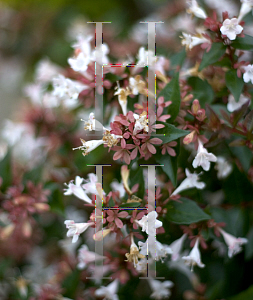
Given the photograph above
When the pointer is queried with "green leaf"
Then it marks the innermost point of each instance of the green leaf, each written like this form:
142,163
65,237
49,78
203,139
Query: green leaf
71,283
136,176
131,204
242,188
243,43
171,92
216,52
249,245
55,199
169,132
245,295
169,164
5,171
177,59
201,90
234,84
33,175
187,212
248,123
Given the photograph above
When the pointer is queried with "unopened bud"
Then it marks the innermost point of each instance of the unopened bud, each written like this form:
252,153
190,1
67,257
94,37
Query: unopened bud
195,107
27,229
7,231
187,98
125,175
98,236
201,114
42,206
189,138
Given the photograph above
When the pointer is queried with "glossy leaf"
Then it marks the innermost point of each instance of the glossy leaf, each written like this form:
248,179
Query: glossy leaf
216,52
171,92
234,84
187,212
243,43
169,132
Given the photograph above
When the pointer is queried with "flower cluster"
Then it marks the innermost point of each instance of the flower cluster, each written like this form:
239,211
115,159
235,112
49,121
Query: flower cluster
148,205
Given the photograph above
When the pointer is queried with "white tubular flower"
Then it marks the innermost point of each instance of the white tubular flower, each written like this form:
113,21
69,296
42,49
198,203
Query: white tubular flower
231,28
75,229
189,182
13,132
194,258
90,184
160,289
81,61
89,146
143,56
46,70
122,97
223,167
248,75
232,105
83,43
134,254
85,257
66,88
109,291
137,85
246,7
195,9
157,250
190,41
77,190
149,223
203,158
102,57
141,122
234,244
176,247
119,187
93,124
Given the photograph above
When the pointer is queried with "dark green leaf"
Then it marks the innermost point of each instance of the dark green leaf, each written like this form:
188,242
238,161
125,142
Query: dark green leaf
5,171
55,199
169,164
249,245
243,43
245,295
71,283
239,113
216,52
169,132
249,121
201,90
242,188
136,176
187,212
131,204
33,175
244,154
171,92
178,58
225,62
234,84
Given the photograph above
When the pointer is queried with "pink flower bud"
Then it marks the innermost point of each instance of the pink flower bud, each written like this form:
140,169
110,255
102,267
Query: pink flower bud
189,138
195,107
201,114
